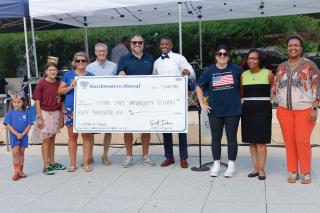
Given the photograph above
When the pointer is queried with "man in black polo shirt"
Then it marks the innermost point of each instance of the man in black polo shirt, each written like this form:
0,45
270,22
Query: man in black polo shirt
136,62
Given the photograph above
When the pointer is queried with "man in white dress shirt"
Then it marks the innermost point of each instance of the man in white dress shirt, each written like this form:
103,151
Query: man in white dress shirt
170,63
102,67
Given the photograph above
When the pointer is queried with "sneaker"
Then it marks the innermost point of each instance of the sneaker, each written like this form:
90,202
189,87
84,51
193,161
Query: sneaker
58,166
215,169
48,171
147,160
231,169
128,162
105,161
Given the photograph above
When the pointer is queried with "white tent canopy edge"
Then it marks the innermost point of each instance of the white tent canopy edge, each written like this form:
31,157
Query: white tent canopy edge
100,13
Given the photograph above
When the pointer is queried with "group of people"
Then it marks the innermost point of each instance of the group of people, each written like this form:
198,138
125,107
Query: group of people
295,87
54,103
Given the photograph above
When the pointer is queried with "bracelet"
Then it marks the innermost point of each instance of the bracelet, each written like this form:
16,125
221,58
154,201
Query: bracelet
38,117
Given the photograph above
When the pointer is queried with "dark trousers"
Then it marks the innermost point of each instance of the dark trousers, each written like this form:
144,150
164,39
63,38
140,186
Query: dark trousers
231,124
168,145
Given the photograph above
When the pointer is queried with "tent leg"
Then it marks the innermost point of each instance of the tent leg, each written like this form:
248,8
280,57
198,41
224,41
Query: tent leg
200,43
34,48
27,54
180,29
85,35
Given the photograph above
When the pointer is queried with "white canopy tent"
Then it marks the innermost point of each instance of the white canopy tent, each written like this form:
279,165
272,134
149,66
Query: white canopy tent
102,13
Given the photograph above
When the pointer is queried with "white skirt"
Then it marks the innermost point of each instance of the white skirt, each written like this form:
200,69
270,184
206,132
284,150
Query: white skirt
51,126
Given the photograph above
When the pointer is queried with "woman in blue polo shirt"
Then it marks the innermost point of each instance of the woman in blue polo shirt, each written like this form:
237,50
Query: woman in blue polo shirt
222,80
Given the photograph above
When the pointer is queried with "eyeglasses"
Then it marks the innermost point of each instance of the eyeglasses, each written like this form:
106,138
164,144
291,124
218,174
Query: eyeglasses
220,54
253,59
137,42
81,61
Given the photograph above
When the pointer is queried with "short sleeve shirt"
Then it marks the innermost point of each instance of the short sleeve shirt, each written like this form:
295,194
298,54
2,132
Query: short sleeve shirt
105,69
132,65
68,77
19,120
46,93
224,89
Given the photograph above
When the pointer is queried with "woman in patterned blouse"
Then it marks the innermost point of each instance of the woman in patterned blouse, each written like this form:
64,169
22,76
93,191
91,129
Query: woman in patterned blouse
297,91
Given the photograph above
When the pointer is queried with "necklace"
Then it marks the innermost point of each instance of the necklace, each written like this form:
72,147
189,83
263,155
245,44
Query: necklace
253,74
293,65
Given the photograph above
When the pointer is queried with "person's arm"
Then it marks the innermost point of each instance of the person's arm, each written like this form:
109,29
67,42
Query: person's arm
315,85
12,130
203,82
186,68
26,130
63,89
121,67
39,118
241,86
61,122
202,101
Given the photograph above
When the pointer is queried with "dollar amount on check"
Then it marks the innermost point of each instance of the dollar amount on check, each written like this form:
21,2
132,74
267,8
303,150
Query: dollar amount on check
131,104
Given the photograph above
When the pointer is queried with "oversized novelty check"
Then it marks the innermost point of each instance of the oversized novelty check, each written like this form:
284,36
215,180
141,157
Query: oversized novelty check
131,104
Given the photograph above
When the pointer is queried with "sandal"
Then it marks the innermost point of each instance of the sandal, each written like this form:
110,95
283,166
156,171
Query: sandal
87,168
16,176
22,175
293,177
306,179
72,169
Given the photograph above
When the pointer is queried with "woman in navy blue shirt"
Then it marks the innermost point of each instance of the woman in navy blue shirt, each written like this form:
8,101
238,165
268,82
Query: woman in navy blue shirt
222,80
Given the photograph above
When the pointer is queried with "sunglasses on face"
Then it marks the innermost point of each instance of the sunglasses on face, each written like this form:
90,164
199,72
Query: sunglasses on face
81,61
137,42
253,59
220,54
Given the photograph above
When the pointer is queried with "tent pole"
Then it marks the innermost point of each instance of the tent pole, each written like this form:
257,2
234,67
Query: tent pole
200,41
85,34
27,54
86,46
34,48
180,29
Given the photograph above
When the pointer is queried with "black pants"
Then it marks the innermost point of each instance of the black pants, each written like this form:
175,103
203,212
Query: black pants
231,124
168,145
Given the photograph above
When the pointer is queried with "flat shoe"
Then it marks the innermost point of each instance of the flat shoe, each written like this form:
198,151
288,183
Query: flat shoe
253,174
72,169
306,179
87,168
293,177
261,177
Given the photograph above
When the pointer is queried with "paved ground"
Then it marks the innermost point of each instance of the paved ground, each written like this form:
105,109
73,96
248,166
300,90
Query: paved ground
156,189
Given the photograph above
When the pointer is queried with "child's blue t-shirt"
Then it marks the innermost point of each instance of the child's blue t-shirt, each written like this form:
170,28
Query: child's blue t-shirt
224,89
68,77
19,120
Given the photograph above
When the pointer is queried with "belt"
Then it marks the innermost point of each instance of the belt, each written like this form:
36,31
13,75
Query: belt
257,99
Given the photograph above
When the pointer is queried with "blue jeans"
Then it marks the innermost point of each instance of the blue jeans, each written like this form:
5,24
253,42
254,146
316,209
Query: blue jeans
231,124
168,145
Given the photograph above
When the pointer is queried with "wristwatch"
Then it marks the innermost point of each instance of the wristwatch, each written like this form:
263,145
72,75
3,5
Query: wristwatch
314,108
